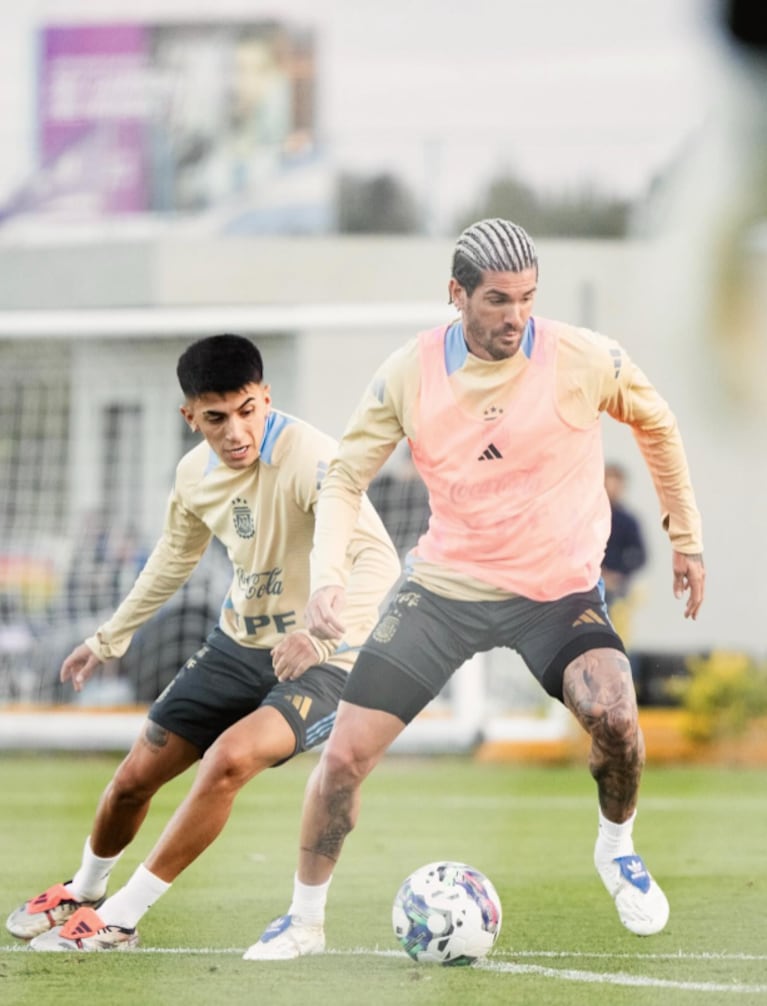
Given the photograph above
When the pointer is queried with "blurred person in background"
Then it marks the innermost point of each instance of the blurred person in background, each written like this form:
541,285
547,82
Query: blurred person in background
502,413
625,553
260,689
103,559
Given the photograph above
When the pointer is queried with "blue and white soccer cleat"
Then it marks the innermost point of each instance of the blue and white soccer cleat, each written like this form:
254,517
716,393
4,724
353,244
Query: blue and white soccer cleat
286,938
642,906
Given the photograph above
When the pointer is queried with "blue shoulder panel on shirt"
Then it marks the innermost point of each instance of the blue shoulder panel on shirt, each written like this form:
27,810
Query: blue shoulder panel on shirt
275,424
456,350
528,339
378,388
213,462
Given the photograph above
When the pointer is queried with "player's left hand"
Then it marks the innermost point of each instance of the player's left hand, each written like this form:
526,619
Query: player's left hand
689,574
292,656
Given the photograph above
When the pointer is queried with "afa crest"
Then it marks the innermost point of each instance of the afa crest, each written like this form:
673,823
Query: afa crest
242,515
386,628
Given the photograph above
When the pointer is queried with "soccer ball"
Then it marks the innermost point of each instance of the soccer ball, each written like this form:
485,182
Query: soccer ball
447,913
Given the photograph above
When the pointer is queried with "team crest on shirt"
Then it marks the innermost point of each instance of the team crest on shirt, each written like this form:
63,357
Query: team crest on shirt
386,628
242,515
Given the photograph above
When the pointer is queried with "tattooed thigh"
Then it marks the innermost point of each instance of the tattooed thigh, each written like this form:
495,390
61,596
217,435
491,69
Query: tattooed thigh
599,691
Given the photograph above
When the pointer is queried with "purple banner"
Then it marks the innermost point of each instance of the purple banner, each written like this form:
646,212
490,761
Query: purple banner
178,119
94,115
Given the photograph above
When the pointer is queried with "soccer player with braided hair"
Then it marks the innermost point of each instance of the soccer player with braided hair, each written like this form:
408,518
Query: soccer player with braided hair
502,412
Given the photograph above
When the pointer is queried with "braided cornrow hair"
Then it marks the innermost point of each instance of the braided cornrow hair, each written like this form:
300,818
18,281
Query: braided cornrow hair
493,245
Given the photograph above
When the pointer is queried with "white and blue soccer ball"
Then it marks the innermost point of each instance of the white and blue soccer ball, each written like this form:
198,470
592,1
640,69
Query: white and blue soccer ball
447,913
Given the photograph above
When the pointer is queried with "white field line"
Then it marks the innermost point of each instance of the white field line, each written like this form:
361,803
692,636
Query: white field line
671,804
619,978
679,955
501,967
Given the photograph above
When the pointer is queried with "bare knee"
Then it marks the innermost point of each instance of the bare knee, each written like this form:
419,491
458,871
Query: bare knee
226,767
343,767
131,785
618,727
155,758
599,691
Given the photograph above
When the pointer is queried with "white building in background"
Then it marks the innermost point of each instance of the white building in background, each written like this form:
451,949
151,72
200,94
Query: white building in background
603,94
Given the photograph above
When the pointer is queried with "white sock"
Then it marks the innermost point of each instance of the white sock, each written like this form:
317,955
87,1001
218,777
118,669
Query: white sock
90,881
613,839
127,905
308,902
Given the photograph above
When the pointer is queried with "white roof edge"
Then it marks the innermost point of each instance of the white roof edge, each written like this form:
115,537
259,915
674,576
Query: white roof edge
150,322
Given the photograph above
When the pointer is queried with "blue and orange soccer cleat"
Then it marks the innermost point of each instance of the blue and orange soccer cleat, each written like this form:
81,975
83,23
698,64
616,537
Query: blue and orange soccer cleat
86,931
51,908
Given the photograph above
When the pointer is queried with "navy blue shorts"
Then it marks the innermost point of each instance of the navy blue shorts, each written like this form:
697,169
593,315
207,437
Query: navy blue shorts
423,638
223,682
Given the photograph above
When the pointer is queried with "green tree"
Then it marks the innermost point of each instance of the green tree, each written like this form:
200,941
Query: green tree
380,204
583,213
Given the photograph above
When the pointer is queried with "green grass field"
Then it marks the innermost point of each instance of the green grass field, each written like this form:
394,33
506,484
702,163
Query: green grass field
531,830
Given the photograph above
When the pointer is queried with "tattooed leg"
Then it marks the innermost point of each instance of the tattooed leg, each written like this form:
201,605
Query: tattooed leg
599,691
359,739
156,757
336,816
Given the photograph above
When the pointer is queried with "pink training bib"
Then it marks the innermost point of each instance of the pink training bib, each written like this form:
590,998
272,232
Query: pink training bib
518,503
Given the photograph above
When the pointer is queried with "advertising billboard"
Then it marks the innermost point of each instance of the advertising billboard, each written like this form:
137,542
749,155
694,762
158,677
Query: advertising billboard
178,118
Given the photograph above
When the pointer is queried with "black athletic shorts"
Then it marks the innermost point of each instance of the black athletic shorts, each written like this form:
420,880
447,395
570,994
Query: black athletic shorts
423,638
224,681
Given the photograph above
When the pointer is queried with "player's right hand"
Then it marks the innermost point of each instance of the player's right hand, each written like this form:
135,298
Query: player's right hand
322,615
79,666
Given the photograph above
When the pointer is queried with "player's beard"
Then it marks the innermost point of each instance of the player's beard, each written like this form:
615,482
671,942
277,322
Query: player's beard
489,340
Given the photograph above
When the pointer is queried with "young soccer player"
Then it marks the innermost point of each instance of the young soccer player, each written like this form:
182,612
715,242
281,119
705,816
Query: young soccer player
502,412
260,689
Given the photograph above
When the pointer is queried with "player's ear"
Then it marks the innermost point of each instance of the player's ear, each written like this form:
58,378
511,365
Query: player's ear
456,293
188,415
267,393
